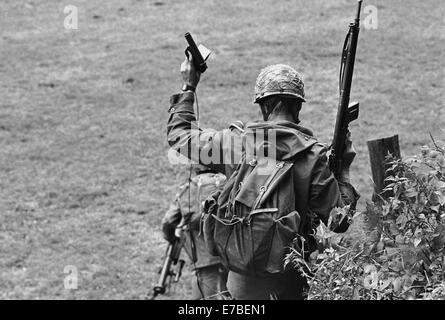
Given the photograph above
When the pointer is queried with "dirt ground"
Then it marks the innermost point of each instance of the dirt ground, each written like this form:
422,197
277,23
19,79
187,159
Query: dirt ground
84,176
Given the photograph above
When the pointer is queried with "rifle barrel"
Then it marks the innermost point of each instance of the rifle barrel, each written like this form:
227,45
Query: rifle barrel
171,258
343,117
357,19
165,272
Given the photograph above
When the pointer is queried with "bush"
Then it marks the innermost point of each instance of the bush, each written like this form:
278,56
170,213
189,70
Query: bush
403,255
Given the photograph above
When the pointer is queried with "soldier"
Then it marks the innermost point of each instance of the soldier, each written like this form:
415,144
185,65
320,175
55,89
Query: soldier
210,275
310,189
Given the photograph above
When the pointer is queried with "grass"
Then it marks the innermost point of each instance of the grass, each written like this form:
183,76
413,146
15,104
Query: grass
83,173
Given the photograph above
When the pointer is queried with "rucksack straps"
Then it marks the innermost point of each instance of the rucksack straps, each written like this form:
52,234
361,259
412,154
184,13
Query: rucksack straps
257,185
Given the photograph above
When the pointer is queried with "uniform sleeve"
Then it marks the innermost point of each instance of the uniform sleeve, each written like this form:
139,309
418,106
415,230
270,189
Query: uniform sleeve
170,220
204,146
327,193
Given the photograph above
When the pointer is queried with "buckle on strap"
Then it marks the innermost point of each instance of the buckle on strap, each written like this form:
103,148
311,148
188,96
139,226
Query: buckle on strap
253,162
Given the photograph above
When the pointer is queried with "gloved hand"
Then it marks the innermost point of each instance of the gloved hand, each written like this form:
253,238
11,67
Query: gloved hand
190,76
348,157
170,221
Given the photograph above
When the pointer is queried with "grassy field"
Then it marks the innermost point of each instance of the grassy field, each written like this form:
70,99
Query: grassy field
84,179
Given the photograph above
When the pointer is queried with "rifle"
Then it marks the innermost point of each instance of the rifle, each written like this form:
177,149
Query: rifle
171,258
200,54
346,112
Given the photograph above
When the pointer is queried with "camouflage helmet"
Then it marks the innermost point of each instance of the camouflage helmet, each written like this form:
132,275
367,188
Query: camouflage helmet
279,79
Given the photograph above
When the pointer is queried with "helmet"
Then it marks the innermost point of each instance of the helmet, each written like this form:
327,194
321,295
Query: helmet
279,79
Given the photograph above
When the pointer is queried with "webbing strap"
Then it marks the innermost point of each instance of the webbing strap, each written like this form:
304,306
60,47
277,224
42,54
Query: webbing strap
263,189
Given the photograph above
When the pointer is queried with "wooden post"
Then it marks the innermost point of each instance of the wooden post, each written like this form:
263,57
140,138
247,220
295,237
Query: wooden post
378,150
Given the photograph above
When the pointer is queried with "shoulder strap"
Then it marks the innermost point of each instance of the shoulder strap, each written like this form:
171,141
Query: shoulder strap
281,168
182,189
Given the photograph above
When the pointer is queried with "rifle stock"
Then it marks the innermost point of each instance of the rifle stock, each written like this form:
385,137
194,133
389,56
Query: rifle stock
346,112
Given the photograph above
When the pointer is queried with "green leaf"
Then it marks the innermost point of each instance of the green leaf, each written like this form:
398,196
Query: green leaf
397,284
402,220
434,199
385,284
440,198
417,241
390,186
380,246
369,268
411,193
400,239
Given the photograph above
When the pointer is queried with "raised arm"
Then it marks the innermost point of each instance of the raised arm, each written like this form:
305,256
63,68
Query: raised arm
204,146
218,150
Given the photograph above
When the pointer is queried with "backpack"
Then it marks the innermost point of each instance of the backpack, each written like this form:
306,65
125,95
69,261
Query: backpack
252,222
191,200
